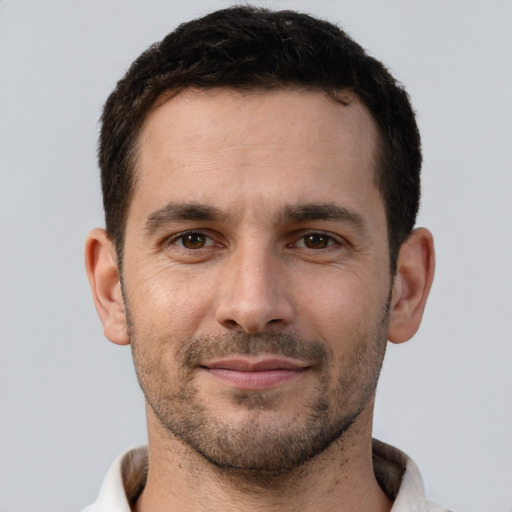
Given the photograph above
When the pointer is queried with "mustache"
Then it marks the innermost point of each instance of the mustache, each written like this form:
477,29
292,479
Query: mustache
200,349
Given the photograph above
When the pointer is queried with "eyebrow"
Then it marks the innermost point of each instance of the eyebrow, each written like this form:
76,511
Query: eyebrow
324,211
174,212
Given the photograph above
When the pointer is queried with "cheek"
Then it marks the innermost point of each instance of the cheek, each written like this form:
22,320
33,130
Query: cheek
340,307
167,301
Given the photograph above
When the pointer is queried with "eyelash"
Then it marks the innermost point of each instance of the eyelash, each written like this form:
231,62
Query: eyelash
330,240
174,240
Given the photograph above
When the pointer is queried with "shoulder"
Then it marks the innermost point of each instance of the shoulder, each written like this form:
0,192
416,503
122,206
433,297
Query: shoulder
123,482
401,480
432,507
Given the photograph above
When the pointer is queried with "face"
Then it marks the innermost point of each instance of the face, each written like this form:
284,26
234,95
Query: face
256,273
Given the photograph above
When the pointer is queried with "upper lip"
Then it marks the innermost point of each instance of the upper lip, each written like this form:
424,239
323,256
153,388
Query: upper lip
251,365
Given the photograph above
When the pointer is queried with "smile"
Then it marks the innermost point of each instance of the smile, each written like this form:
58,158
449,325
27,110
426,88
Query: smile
250,375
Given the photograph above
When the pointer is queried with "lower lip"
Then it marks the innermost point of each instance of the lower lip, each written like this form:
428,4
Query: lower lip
255,380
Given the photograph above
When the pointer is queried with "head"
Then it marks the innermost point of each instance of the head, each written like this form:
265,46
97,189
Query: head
253,49
261,177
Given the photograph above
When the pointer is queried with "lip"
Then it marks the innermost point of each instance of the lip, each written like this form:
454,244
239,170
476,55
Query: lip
254,375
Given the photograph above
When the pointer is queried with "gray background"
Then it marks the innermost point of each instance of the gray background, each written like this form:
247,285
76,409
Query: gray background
69,402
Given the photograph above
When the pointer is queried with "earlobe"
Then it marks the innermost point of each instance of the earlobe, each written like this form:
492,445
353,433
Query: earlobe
103,274
413,280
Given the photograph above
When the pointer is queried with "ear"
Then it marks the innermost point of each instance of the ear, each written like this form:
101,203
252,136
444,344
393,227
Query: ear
414,276
102,270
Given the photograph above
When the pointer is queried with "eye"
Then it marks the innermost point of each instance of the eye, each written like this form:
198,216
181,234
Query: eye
316,241
193,240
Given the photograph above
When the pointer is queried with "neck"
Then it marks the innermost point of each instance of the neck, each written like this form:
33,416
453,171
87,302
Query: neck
341,478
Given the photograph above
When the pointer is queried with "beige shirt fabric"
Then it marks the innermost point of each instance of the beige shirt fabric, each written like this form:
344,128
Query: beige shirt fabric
396,472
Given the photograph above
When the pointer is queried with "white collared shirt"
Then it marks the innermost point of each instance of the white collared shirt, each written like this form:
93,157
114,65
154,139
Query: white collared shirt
397,474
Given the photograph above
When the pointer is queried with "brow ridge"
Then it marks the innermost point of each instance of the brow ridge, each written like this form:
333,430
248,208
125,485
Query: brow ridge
324,211
175,212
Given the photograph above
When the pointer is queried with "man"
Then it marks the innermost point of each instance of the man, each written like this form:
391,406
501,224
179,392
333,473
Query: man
260,178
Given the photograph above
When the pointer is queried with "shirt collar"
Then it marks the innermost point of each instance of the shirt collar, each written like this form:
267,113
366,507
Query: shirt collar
396,473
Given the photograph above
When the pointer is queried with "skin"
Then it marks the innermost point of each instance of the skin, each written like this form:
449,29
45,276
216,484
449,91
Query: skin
259,238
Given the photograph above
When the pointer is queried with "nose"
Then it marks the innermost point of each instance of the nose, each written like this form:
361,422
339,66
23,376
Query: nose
253,295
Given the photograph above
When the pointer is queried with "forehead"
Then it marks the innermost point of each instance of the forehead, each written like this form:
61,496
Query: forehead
209,116
284,143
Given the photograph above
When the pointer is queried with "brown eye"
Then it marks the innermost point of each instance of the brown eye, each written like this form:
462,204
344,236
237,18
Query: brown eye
317,241
193,241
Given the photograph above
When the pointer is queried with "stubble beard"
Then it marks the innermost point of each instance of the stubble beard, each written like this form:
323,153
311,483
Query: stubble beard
260,441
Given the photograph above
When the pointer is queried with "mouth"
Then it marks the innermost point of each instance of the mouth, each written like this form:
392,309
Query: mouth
255,374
